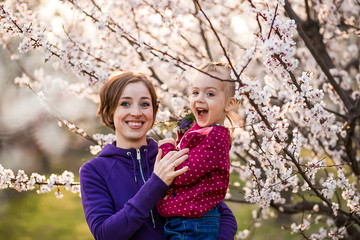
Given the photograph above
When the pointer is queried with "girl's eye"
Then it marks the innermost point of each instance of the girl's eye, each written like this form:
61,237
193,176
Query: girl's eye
195,93
145,104
125,104
210,94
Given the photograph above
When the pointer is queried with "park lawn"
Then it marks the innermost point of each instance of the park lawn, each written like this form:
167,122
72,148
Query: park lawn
43,216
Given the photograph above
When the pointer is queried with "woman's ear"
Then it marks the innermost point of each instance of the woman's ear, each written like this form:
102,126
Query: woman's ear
231,105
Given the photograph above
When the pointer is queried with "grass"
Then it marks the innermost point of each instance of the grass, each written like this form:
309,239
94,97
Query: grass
33,216
29,216
270,229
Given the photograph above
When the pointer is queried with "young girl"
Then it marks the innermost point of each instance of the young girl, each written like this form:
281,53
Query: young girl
190,204
120,187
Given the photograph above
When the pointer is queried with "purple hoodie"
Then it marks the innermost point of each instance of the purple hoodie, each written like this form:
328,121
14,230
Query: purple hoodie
119,195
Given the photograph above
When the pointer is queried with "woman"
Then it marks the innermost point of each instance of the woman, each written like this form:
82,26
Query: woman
120,188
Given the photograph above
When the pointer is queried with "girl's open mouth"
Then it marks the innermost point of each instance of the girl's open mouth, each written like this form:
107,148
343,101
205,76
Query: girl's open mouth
202,111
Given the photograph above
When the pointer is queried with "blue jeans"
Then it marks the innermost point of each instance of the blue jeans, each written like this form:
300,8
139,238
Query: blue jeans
205,227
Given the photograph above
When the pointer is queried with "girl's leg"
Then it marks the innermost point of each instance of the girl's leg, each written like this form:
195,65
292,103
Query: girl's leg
174,228
205,227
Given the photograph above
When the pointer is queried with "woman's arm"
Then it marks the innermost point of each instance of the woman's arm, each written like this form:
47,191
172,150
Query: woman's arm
98,205
228,225
104,222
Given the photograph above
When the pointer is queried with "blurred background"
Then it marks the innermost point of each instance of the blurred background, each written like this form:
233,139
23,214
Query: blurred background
31,140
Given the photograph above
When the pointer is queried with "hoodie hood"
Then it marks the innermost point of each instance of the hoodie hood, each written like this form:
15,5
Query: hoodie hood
138,160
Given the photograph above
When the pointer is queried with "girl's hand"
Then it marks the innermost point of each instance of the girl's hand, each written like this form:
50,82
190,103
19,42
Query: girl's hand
167,140
165,167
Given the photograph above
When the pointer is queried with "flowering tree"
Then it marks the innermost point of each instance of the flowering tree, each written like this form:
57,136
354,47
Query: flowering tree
296,65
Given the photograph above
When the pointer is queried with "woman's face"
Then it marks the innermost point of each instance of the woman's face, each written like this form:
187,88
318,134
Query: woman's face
133,116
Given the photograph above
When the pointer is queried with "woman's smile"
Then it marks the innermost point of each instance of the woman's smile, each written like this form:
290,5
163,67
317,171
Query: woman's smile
134,124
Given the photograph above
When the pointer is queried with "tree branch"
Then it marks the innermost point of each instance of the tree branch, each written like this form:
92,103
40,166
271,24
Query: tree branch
343,96
202,32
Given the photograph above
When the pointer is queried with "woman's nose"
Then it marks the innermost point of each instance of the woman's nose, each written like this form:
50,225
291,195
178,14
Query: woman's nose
136,111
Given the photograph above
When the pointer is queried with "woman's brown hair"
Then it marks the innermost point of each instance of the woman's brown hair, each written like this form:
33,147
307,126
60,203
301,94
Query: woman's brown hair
111,92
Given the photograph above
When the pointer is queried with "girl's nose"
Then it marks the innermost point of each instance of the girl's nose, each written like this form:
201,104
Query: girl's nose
200,98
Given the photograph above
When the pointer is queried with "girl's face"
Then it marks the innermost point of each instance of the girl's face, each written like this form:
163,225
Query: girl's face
208,101
133,116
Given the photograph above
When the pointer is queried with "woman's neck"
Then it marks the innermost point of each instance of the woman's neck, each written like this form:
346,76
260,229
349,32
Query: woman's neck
130,144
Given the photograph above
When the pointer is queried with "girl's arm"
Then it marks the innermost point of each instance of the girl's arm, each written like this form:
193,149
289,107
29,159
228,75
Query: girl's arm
167,146
167,140
228,225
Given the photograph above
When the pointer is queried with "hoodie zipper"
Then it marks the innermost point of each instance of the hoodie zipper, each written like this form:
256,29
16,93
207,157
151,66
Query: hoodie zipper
138,157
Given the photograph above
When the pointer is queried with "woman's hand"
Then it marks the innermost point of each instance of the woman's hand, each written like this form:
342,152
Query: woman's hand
165,167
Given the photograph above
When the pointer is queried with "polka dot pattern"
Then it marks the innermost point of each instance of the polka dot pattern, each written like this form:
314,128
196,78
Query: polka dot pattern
205,183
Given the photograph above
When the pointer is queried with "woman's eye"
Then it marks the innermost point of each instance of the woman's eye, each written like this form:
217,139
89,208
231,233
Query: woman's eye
145,104
125,104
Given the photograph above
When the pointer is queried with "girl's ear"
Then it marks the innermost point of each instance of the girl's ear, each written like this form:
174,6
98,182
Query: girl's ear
231,105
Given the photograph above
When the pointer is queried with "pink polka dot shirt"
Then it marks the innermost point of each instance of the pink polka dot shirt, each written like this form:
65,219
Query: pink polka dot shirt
204,185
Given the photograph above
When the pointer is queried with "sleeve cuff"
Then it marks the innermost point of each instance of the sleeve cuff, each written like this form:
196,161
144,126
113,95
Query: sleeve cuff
152,191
